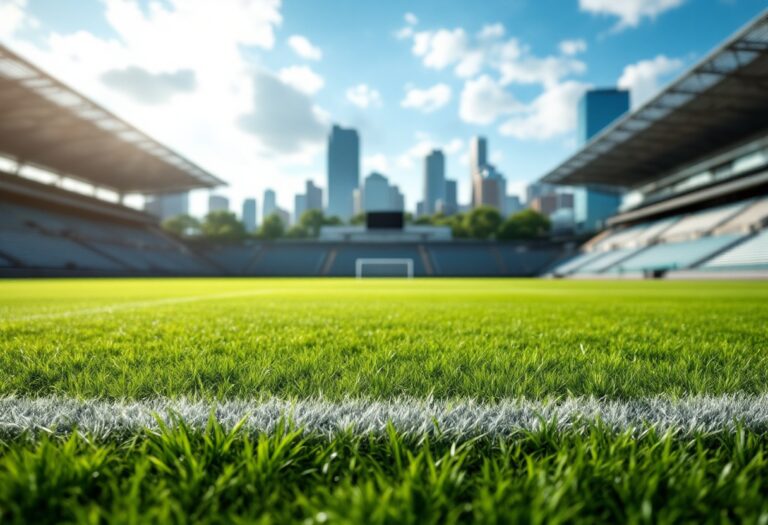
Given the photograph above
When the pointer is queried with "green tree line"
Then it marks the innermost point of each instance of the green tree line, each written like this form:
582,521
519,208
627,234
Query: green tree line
484,222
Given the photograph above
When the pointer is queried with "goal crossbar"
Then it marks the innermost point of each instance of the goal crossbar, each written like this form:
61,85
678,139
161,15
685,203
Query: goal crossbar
362,262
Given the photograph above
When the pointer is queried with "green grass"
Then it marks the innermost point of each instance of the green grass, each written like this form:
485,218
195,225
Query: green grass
180,476
450,339
485,339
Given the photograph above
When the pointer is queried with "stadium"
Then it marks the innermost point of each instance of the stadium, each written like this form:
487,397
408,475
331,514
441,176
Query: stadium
387,371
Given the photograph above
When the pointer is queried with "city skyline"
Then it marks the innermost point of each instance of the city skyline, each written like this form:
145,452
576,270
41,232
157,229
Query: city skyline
410,77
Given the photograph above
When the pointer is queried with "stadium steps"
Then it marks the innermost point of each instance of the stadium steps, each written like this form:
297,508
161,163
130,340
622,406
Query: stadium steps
329,260
425,260
251,266
752,253
11,260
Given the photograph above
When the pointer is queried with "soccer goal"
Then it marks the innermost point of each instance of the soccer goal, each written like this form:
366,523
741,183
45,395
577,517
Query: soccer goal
384,268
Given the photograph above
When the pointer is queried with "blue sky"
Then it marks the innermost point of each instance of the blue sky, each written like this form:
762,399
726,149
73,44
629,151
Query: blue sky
248,89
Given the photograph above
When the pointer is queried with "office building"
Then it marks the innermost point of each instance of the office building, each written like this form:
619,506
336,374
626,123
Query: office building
269,205
343,171
599,108
434,180
396,198
538,189
512,205
477,161
299,206
217,203
593,206
284,216
249,215
167,205
314,196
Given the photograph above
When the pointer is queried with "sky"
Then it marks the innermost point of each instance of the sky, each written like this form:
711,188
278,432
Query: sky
248,89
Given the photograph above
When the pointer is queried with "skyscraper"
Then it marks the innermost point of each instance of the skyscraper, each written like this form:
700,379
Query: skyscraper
477,161
314,196
434,180
217,203
270,204
167,205
343,171
376,195
449,205
249,215
598,108
299,206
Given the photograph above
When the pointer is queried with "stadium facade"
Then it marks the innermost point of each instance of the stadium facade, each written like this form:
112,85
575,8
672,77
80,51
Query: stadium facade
693,162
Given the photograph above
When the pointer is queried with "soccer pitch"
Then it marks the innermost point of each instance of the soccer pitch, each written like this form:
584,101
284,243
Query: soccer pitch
383,401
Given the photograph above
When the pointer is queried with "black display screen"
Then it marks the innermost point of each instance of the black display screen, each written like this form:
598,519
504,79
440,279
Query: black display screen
384,220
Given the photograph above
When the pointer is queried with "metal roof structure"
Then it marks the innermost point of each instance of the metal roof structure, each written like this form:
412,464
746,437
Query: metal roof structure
721,100
47,124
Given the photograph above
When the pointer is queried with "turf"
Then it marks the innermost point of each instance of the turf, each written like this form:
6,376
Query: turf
654,345
482,339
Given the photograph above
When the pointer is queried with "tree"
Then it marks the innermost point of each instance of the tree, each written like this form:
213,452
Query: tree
527,224
272,227
482,222
311,221
297,231
357,220
456,223
182,225
222,225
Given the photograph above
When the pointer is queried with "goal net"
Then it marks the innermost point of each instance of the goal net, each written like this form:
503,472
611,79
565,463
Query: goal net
384,268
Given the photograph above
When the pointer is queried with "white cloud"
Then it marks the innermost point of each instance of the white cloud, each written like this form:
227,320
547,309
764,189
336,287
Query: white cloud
219,121
491,31
150,88
414,155
364,96
14,17
304,48
533,70
410,19
572,47
551,114
377,162
427,100
483,100
515,62
643,78
629,12
407,32
302,78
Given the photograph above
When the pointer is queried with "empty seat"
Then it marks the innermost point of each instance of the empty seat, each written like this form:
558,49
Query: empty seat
464,260
675,256
42,251
600,264
288,260
754,215
750,254
700,223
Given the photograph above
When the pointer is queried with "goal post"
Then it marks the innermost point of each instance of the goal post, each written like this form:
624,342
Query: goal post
371,267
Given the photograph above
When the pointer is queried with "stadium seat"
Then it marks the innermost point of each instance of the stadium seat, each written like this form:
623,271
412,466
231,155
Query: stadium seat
751,254
675,256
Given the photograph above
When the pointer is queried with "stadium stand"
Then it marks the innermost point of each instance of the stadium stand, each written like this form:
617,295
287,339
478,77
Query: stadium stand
694,160
752,254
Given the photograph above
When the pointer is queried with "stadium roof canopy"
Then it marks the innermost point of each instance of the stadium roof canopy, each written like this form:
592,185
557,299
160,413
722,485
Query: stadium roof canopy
45,123
721,100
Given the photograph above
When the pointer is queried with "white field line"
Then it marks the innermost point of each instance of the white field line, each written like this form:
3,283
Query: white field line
450,419
139,304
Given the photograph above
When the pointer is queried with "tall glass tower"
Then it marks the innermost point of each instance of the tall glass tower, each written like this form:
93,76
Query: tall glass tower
343,171
598,108
434,180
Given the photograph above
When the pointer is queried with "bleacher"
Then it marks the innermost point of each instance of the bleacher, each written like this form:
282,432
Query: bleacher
718,238
752,254
70,234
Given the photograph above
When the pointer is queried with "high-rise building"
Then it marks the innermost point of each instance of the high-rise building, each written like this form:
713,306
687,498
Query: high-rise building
449,205
478,159
299,206
592,207
167,205
269,205
512,205
249,215
434,180
217,203
343,171
376,195
284,216
314,196
396,198
598,108
538,189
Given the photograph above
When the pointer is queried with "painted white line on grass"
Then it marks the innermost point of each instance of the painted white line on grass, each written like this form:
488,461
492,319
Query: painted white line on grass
139,304
452,419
